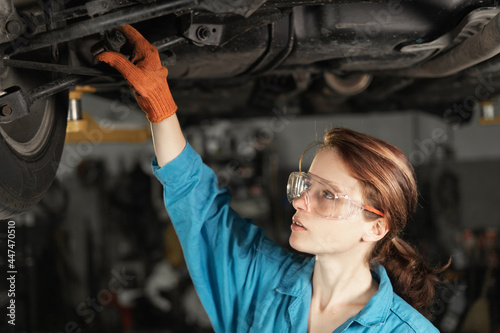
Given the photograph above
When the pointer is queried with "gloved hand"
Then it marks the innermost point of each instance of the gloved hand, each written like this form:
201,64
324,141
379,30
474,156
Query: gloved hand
145,74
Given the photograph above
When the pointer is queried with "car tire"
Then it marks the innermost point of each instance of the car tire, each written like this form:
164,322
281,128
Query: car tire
30,147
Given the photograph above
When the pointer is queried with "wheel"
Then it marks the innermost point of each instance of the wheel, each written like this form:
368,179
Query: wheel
30,147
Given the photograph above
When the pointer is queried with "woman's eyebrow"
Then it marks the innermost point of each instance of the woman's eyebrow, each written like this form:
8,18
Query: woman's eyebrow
333,185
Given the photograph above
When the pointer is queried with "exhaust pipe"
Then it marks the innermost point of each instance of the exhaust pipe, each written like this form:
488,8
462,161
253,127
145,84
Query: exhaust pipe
474,50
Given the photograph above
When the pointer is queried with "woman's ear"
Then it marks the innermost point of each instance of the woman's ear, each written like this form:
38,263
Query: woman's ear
377,230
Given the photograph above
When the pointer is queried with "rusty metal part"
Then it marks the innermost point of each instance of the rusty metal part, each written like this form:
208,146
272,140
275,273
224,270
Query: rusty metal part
351,84
474,50
13,26
113,40
43,66
5,110
128,15
13,105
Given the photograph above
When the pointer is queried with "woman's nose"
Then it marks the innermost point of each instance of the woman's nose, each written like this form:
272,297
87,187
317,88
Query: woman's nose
301,202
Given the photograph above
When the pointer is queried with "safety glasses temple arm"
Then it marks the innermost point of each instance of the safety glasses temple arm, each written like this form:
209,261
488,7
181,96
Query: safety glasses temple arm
373,210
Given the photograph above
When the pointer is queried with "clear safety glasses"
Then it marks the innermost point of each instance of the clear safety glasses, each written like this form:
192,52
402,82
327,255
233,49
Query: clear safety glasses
326,199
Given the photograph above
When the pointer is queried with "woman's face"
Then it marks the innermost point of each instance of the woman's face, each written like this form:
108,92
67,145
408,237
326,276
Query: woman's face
321,236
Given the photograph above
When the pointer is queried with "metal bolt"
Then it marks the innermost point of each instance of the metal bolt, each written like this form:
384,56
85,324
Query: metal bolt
13,27
114,40
202,32
6,110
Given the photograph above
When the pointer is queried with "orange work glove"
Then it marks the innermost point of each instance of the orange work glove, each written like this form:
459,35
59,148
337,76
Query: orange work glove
145,74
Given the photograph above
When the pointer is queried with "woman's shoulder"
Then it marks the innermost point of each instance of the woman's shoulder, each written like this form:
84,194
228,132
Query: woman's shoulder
405,314
392,312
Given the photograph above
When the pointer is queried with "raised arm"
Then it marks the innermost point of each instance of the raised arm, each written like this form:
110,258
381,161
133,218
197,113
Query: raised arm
168,139
148,80
232,263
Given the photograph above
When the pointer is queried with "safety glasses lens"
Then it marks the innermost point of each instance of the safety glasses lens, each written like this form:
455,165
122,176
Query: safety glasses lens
297,185
326,200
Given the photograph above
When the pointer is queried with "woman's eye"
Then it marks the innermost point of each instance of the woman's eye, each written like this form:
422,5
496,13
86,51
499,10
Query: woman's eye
328,195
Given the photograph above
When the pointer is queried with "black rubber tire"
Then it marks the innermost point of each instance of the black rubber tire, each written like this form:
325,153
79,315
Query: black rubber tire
27,173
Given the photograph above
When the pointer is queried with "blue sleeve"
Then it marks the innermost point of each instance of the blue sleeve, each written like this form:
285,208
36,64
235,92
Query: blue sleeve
219,246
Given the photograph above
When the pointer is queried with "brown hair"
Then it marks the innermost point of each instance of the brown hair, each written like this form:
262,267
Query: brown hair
389,185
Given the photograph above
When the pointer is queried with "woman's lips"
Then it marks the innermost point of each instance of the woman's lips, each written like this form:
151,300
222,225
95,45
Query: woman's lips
297,225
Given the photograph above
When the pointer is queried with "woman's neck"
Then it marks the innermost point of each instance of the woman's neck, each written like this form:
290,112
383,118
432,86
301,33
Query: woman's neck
341,283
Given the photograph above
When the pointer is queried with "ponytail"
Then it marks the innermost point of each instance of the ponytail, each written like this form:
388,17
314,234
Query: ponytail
412,278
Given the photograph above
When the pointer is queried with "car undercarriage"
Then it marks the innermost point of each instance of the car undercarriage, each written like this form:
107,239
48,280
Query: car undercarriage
240,59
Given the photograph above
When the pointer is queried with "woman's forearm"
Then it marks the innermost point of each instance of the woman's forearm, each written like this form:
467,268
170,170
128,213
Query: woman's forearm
168,139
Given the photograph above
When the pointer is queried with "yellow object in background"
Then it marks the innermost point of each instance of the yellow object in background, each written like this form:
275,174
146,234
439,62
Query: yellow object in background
490,112
82,127
78,91
88,130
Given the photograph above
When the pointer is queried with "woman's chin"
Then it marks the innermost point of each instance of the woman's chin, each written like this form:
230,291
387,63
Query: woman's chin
295,243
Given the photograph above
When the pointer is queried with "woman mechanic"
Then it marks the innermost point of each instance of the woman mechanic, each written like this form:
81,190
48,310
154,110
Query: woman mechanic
350,207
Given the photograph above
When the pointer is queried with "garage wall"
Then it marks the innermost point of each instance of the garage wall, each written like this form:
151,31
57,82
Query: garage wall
422,137
296,136
475,141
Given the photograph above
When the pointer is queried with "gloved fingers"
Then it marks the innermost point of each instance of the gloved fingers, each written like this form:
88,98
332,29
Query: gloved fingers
120,62
142,48
147,57
133,36
151,61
